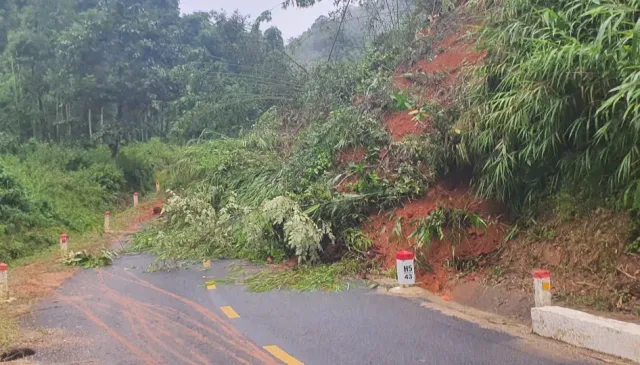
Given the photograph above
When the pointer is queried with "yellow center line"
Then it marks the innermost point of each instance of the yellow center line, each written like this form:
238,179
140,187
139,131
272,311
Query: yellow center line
282,356
230,312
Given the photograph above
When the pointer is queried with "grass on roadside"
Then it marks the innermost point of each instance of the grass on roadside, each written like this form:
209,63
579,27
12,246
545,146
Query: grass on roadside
328,277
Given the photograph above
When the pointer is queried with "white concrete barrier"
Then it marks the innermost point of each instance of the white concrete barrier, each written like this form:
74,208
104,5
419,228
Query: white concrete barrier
581,329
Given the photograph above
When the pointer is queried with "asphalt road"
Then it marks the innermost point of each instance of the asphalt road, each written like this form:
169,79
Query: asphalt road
122,315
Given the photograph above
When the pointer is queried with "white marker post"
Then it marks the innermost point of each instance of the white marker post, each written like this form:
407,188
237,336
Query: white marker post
542,288
107,222
135,200
63,243
4,281
157,186
404,265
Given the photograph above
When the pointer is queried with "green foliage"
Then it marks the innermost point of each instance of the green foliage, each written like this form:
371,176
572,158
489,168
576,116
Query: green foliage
46,189
421,113
449,223
429,228
404,181
319,143
195,230
88,261
454,221
305,278
271,190
402,101
300,233
230,165
120,71
561,106
634,245
357,241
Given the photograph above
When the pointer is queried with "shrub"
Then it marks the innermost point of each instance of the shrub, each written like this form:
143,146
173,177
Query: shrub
195,230
46,188
561,105
301,234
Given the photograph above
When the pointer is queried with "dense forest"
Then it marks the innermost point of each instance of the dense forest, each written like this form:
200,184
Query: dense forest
112,71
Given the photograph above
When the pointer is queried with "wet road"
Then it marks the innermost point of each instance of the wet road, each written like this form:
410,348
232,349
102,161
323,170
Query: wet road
122,315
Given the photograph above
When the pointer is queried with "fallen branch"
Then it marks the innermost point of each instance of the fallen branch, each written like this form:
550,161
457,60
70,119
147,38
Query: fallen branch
626,273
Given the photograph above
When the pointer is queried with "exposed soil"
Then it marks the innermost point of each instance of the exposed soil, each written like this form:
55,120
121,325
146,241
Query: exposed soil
453,54
476,242
436,76
590,270
400,124
473,291
401,82
36,281
585,256
351,155
345,185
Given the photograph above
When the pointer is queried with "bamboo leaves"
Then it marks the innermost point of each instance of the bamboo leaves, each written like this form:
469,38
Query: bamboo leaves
566,108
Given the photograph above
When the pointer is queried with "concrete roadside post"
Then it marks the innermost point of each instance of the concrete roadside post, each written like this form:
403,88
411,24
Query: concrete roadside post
542,288
405,268
107,222
4,281
135,200
63,243
157,186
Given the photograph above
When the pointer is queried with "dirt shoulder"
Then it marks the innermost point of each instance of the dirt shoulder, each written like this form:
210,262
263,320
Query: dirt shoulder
590,270
39,275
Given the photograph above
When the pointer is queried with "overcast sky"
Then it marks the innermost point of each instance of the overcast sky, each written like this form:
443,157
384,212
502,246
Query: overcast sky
292,22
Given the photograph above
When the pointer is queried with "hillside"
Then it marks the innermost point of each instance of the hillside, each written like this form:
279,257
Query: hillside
375,161
490,139
587,245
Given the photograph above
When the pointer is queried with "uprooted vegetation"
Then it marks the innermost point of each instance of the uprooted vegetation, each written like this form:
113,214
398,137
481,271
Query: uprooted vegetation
476,134
397,165
457,148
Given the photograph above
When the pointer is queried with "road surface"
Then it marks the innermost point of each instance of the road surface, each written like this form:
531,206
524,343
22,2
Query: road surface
123,315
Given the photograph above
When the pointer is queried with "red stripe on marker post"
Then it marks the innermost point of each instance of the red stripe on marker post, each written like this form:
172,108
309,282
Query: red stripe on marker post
107,223
4,281
541,274
405,268
542,287
63,242
404,255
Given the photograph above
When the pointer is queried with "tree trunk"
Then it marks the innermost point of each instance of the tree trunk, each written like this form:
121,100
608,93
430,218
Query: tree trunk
90,131
68,108
43,117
